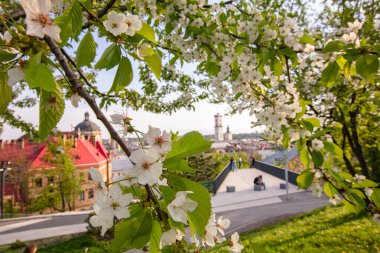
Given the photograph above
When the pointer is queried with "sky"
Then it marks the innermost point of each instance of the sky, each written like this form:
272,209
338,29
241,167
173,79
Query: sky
183,121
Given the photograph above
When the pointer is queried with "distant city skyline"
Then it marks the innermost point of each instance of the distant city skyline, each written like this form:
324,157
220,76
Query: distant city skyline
183,121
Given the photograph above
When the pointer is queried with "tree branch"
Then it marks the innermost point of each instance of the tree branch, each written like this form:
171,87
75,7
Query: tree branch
75,85
81,74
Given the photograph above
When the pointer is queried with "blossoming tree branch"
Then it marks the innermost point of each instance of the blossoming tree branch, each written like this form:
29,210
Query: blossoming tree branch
315,92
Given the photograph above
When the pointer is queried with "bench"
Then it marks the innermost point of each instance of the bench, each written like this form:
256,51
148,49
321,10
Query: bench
231,189
257,187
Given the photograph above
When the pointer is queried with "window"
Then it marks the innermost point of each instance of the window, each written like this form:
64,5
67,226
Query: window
81,195
89,177
91,193
39,182
51,180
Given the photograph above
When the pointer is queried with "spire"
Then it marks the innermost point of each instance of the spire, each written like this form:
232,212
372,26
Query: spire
86,116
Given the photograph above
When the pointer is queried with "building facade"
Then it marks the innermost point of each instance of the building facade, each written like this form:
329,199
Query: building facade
27,157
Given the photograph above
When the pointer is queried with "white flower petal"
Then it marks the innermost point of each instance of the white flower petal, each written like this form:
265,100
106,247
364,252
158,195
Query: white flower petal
122,213
168,238
53,31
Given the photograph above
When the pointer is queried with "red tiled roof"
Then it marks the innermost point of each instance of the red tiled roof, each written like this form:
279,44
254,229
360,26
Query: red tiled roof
14,151
86,155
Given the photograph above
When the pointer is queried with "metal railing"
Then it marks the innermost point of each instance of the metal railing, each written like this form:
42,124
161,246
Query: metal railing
276,171
219,179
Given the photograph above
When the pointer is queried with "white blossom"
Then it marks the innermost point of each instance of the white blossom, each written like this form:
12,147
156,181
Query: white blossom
116,23
355,26
38,20
75,99
317,190
359,178
113,203
317,144
147,167
222,224
349,38
171,236
133,24
236,246
15,75
376,217
6,37
334,200
97,177
368,191
159,142
101,221
108,205
180,206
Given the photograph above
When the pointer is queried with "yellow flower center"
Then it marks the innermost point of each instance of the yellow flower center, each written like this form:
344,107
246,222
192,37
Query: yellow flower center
43,19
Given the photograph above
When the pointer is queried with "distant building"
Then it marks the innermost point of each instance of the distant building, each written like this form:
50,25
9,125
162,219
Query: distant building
89,152
218,128
228,135
219,136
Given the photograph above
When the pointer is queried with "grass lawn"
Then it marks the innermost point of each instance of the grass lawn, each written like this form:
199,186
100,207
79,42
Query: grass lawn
330,229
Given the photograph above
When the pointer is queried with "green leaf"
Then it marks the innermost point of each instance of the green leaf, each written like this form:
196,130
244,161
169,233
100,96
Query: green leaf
52,106
124,75
352,208
330,74
367,66
329,189
198,219
134,232
110,57
306,39
70,22
333,46
86,51
288,52
333,149
305,179
148,33
365,183
357,197
39,75
189,144
223,18
314,121
154,63
304,157
212,68
5,91
155,237
178,165
347,176
6,56
317,158
376,197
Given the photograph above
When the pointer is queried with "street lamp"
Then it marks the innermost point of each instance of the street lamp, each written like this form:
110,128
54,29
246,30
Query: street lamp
3,169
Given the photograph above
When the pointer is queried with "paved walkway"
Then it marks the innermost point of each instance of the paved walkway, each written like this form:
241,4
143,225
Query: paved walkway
245,196
244,217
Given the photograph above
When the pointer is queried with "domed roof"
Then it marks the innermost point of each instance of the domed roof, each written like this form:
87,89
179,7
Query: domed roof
86,125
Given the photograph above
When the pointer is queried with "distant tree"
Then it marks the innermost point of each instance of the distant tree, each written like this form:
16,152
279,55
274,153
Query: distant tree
64,182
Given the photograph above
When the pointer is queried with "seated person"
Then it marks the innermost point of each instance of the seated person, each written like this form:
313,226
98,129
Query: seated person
259,181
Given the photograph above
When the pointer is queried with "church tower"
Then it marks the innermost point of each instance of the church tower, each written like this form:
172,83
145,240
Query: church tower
228,135
218,128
